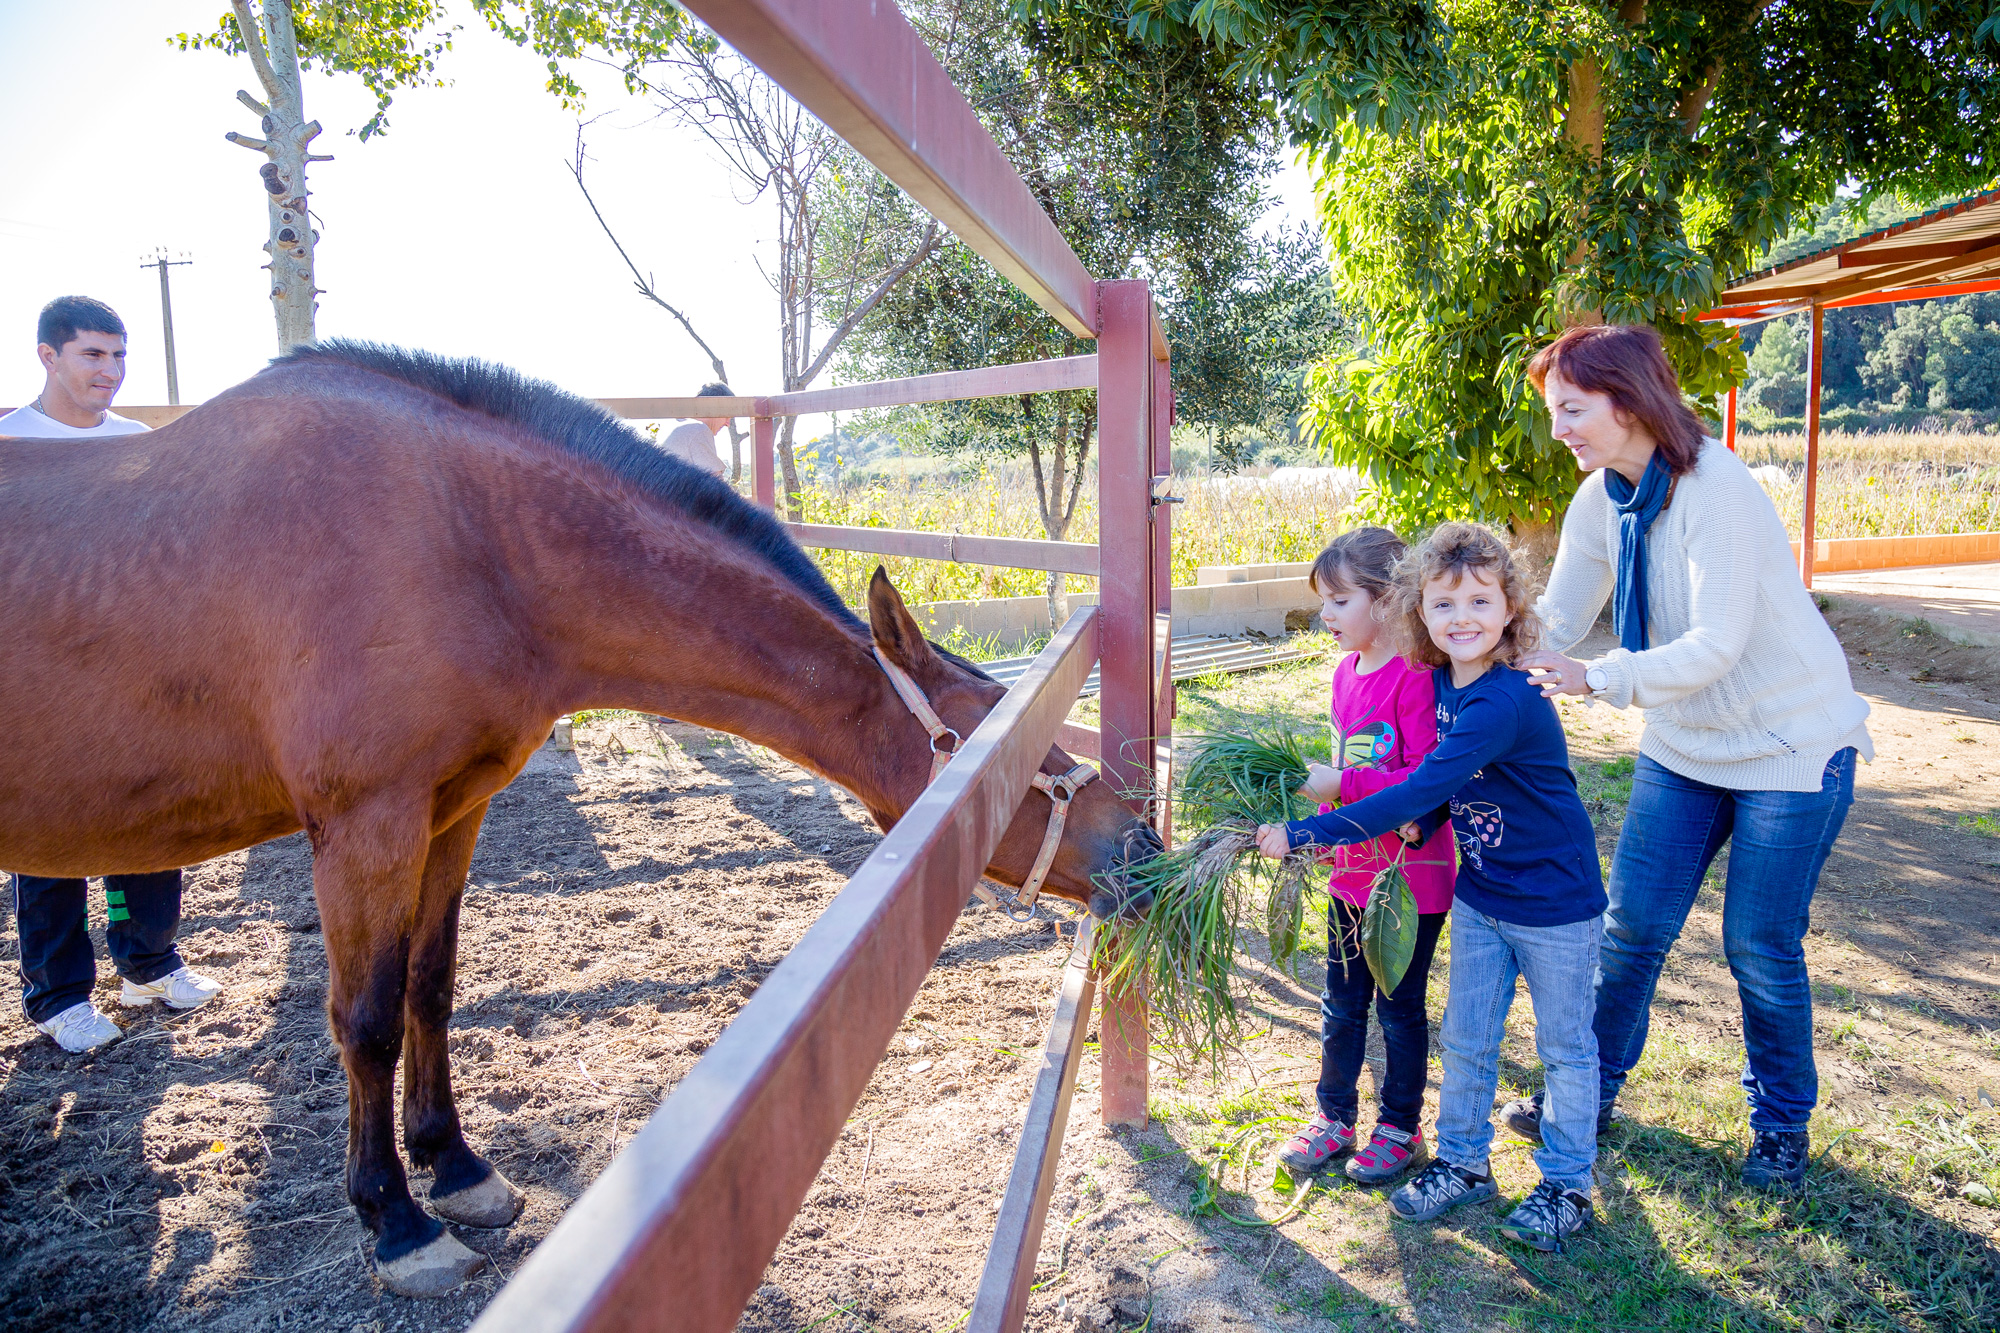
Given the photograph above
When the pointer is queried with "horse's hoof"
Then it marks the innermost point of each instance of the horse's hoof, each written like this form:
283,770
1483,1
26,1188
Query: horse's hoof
437,1269
493,1202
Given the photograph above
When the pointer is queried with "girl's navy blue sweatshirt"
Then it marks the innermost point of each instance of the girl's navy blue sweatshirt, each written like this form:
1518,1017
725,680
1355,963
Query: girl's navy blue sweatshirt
1526,851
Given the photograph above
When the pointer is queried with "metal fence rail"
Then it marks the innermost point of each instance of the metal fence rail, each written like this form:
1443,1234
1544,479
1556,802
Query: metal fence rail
1002,1299
954,547
677,1231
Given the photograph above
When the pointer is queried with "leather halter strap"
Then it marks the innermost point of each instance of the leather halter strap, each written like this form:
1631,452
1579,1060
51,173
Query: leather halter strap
1061,789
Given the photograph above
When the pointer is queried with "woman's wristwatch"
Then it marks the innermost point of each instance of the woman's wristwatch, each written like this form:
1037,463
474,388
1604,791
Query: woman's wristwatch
1595,680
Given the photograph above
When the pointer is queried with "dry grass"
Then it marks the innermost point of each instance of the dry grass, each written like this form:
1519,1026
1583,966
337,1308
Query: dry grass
1891,483
1218,524
1886,483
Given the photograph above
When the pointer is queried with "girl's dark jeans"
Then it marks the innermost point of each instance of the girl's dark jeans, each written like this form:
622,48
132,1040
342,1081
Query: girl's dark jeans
1343,1024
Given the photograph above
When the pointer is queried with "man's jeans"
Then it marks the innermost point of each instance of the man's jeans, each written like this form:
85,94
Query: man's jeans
1559,964
1343,1024
1778,840
58,969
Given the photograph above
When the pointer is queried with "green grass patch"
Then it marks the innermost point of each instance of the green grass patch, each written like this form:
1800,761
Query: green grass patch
1985,825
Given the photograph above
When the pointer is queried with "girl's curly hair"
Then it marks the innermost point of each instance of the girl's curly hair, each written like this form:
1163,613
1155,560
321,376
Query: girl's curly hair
1449,551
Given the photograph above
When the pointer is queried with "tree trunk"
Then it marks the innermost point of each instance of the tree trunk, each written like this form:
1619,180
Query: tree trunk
789,467
1057,508
287,134
1583,126
1537,539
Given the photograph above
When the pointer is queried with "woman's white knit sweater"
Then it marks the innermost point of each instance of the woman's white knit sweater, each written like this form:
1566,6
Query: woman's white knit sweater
1743,684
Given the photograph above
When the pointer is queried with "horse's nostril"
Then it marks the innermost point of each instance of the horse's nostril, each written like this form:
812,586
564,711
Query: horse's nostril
1141,843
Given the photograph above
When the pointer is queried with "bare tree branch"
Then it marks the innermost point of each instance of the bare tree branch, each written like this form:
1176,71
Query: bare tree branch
644,282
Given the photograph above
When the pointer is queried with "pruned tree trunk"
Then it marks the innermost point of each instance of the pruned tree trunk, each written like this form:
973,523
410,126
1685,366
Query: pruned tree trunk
1057,507
1583,126
274,52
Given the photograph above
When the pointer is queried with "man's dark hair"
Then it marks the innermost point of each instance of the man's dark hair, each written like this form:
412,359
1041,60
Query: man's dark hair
715,389
66,316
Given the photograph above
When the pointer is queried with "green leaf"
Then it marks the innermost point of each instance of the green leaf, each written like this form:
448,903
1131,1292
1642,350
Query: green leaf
1389,929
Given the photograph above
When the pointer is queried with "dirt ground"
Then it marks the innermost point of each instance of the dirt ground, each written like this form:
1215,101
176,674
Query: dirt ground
626,898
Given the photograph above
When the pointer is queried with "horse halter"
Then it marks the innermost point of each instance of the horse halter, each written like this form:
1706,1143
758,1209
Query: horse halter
1060,787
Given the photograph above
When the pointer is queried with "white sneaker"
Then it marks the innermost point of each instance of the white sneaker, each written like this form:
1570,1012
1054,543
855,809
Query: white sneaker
183,988
81,1028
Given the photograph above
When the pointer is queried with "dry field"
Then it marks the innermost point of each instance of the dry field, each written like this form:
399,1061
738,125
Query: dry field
1886,484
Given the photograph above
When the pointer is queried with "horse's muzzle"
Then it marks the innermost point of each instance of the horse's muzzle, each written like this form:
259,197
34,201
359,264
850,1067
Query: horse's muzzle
1115,897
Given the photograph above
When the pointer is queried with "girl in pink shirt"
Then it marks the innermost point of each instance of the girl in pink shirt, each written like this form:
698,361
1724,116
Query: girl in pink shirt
1384,723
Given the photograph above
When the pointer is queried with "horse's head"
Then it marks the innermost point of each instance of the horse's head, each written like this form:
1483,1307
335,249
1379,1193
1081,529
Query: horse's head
1101,837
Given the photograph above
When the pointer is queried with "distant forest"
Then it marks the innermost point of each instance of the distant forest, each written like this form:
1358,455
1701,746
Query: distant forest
1930,364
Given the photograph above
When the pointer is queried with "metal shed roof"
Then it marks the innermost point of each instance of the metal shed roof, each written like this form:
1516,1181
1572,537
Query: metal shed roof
1946,252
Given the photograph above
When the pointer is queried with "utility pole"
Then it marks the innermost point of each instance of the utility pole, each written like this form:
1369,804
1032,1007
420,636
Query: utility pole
167,319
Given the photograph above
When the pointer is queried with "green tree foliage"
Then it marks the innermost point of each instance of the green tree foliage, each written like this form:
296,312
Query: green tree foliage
395,44
1491,171
1940,355
1247,321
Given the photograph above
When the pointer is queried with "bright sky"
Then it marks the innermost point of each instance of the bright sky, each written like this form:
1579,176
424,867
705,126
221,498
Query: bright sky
459,231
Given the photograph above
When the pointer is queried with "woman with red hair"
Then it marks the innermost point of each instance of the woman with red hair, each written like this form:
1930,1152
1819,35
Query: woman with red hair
1752,723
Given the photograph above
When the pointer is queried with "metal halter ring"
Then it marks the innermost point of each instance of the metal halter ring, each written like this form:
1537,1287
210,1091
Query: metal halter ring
1063,787
956,741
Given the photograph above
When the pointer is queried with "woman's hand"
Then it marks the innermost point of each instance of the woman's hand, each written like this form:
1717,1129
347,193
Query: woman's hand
1322,784
1556,674
1273,841
1411,834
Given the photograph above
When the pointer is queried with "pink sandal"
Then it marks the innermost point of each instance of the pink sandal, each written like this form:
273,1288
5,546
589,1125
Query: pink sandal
1316,1145
1389,1153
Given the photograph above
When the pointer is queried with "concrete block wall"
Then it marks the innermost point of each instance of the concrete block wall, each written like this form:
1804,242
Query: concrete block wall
1842,554
1221,608
1207,575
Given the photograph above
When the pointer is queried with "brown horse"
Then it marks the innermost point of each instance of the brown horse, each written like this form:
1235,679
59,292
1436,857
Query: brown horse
351,595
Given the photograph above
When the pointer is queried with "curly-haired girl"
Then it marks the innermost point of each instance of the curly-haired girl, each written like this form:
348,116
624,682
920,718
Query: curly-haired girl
1530,896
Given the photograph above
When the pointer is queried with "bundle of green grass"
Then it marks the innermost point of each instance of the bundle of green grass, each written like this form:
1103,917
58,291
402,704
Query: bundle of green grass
1211,883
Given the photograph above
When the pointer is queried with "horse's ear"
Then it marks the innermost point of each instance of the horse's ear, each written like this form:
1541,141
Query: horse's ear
896,631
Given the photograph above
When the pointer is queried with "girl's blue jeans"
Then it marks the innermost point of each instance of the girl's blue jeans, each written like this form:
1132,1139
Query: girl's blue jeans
1559,964
1343,1025
1778,841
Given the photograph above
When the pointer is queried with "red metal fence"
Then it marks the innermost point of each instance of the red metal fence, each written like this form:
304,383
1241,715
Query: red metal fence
678,1230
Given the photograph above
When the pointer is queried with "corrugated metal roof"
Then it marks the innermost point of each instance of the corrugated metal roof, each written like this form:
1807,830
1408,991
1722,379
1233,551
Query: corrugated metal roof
1958,243
1194,655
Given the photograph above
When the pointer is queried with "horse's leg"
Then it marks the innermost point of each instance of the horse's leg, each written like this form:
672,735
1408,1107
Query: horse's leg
464,1186
366,868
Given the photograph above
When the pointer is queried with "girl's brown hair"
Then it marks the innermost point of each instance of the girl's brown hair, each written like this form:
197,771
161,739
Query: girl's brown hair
1627,364
1448,553
1363,558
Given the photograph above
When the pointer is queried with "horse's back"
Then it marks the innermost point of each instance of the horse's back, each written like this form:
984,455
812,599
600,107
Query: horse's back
207,619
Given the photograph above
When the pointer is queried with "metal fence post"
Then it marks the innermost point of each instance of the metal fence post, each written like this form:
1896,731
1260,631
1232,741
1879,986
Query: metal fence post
1126,566
1165,704
764,463
1808,531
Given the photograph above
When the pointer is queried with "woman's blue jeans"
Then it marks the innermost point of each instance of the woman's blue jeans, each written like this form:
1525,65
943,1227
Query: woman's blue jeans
1778,840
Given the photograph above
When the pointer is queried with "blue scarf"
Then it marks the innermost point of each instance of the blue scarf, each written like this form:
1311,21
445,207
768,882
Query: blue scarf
1637,508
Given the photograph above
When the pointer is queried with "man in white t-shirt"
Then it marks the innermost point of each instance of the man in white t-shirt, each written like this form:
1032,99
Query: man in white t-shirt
81,342
694,442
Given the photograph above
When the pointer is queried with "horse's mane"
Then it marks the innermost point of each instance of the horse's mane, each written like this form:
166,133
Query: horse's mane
589,432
